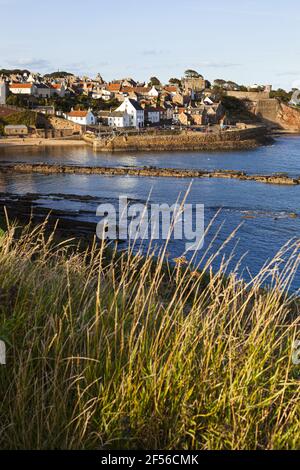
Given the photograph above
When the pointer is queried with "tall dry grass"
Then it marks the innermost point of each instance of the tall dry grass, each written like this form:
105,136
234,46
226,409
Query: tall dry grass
119,351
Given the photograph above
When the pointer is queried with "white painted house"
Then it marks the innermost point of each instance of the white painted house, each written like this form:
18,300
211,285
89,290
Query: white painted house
135,112
153,92
105,94
118,119
22,88
84,118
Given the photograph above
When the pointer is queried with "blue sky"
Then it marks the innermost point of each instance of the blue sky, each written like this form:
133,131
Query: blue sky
248,41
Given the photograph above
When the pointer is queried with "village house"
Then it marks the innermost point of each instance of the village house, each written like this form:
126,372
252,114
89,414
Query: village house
42,90
105,94
200,115
168,111
152,115
97,91
22,88
129,82
215,113
177,99
31,78
87,88
142,91
58,89
96,95
126,90
135,112
118,119
113,88
185,119
84,118
16,130
129,92
171,90
153,93
103,117
48,110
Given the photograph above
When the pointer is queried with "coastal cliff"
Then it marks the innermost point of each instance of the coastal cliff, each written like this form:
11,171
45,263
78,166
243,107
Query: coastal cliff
289,117
277,115
235,139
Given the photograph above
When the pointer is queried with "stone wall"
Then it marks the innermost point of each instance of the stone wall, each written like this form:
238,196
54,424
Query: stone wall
249,95
60,123
233,139
53,133
268,110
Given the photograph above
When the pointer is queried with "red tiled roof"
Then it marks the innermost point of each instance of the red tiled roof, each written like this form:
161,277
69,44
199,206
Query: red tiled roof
114,87
171,89
127,89
141,89
78,113
20,85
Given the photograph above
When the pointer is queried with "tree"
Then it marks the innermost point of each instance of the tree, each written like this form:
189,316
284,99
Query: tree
282,95
218,93
154,81
230,85
58,74
22,101
219,82
192,74
8,72
175,81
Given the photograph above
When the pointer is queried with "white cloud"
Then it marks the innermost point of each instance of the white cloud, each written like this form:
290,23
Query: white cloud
30,63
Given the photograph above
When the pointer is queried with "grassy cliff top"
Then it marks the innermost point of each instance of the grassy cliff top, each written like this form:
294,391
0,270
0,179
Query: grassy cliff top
123,352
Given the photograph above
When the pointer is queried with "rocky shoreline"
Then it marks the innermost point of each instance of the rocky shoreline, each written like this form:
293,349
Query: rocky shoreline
278,179
24,209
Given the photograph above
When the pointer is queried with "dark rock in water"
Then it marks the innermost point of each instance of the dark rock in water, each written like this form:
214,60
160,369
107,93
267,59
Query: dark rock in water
147,172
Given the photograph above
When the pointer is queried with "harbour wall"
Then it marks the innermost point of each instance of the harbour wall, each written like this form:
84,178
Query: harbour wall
250,137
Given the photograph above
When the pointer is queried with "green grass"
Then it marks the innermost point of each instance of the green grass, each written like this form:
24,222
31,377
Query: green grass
27,118
121,352
3,226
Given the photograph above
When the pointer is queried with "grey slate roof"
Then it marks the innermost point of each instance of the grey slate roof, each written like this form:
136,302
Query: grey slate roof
135,104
